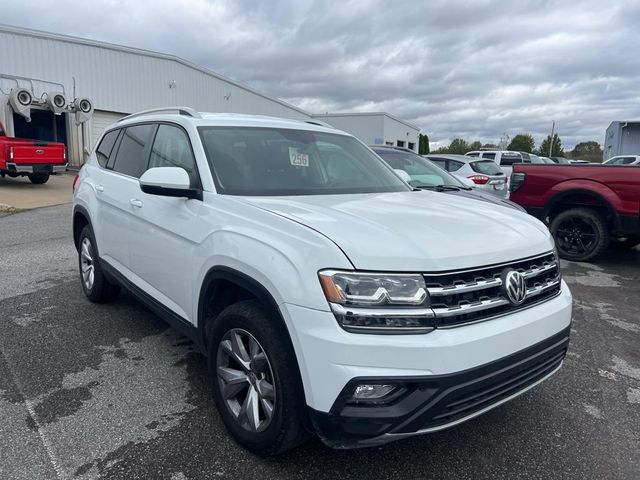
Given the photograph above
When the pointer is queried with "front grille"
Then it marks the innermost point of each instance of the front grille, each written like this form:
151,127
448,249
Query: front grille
474,295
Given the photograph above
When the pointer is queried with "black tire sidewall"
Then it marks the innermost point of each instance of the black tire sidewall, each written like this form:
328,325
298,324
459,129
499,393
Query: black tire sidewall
39,178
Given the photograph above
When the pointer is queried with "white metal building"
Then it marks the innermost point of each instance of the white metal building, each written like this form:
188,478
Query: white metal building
118,80
375,128
622,138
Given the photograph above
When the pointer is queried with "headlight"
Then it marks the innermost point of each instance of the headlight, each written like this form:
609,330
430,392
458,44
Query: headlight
378,302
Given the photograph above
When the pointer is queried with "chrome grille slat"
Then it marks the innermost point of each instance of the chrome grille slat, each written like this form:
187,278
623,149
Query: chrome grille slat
469,296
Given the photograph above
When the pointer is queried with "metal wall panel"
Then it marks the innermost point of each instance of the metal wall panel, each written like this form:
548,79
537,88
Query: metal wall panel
128,80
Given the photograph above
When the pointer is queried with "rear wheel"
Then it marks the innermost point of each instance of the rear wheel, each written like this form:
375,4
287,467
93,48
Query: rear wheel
581,234
256,384
94,283
38,178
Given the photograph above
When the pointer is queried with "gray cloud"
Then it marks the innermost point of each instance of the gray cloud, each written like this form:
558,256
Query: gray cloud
473,69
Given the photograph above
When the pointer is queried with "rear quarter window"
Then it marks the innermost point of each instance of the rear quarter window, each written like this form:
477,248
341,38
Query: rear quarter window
507,160
486,167
106,146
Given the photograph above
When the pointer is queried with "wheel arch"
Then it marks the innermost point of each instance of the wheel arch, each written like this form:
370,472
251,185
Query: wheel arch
580,197
81,218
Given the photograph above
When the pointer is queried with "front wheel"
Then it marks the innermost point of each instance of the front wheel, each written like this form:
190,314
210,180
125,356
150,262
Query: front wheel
256,384
38,178
581,234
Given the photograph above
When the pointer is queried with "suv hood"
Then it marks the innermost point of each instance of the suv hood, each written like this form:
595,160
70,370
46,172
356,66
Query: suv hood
415,231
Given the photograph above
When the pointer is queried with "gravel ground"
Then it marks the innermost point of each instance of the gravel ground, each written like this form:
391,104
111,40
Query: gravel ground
89,391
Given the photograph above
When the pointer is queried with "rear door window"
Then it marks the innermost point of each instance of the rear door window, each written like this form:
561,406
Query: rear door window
133,153
106,146
486,167
490,155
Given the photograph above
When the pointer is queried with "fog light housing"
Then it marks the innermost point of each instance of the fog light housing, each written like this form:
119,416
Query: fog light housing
371,393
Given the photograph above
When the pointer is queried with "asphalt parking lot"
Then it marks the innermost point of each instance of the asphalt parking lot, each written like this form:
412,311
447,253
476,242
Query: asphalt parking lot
89,391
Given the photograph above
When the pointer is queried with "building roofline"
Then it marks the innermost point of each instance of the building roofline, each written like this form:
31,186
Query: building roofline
347,114
139,51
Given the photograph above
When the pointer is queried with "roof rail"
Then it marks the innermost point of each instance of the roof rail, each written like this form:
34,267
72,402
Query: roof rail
187,111
318,123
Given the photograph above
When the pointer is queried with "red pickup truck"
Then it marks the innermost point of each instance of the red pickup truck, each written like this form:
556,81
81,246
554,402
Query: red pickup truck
587,207
33,158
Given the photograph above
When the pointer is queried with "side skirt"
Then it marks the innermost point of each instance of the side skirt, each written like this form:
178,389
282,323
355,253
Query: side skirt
169,316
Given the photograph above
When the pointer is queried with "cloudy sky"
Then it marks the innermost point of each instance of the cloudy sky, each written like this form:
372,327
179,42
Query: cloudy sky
474,69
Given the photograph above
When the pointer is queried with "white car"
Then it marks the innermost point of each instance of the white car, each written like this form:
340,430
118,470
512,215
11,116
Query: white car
623,160
328,295
484,173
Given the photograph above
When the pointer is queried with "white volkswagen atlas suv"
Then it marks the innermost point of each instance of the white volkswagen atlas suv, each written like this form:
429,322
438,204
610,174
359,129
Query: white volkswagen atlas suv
328,295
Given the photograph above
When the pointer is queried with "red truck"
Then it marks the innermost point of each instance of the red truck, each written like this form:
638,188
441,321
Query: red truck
33,158
587,207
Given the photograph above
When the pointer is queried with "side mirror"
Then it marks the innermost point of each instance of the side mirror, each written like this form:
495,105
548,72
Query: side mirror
402,174
168,182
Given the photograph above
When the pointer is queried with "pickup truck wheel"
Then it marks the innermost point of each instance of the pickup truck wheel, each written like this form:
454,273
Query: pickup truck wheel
256,384
581,234
38,178
94,283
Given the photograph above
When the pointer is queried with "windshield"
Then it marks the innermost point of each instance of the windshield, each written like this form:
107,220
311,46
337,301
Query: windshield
421,170
279,161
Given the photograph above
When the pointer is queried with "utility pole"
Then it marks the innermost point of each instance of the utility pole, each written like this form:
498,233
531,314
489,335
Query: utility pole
553,127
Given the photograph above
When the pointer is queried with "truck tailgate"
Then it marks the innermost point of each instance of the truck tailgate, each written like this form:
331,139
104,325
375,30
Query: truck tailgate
37,153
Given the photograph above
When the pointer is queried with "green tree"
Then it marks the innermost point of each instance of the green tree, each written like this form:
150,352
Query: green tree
523,142
590,151
423,144
477,145
459,146
556,147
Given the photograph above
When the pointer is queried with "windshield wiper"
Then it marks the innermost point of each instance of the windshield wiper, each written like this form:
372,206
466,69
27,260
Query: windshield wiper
441,188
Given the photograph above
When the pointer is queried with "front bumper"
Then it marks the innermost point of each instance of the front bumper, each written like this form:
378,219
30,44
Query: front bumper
433,403
35,168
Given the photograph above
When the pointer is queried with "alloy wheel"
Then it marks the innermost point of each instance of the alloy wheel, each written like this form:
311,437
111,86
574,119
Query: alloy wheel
577,236
246,380
86,263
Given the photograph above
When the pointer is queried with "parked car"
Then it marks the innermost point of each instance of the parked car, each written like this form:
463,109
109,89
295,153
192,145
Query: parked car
546,160
504,158
484,173
35,159
623,160
578,161
425,174
560,160
327,294
587,207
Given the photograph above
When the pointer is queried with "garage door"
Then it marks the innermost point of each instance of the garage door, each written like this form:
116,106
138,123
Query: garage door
101,120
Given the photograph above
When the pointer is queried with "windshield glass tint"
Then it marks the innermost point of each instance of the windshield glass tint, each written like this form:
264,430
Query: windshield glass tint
487,167
421,170
275,161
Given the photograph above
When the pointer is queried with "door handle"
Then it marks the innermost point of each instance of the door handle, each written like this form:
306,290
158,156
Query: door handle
99,188
136,203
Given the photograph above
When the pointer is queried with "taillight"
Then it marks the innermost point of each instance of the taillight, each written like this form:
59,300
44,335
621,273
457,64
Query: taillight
517,179
75,181
64,153
10,153
479,179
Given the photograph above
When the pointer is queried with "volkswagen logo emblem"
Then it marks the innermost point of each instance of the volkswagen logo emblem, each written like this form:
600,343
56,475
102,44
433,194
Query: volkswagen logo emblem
514,286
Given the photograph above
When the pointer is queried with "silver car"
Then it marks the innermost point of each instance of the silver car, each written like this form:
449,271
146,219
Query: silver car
484,173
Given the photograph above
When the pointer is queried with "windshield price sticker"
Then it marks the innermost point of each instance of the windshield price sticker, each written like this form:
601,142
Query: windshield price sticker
298,159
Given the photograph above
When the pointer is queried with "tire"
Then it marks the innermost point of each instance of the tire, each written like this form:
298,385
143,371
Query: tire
38,178
278,368
624,243
581,234
97,289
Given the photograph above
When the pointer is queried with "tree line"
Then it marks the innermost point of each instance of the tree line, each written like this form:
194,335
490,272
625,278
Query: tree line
523,142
